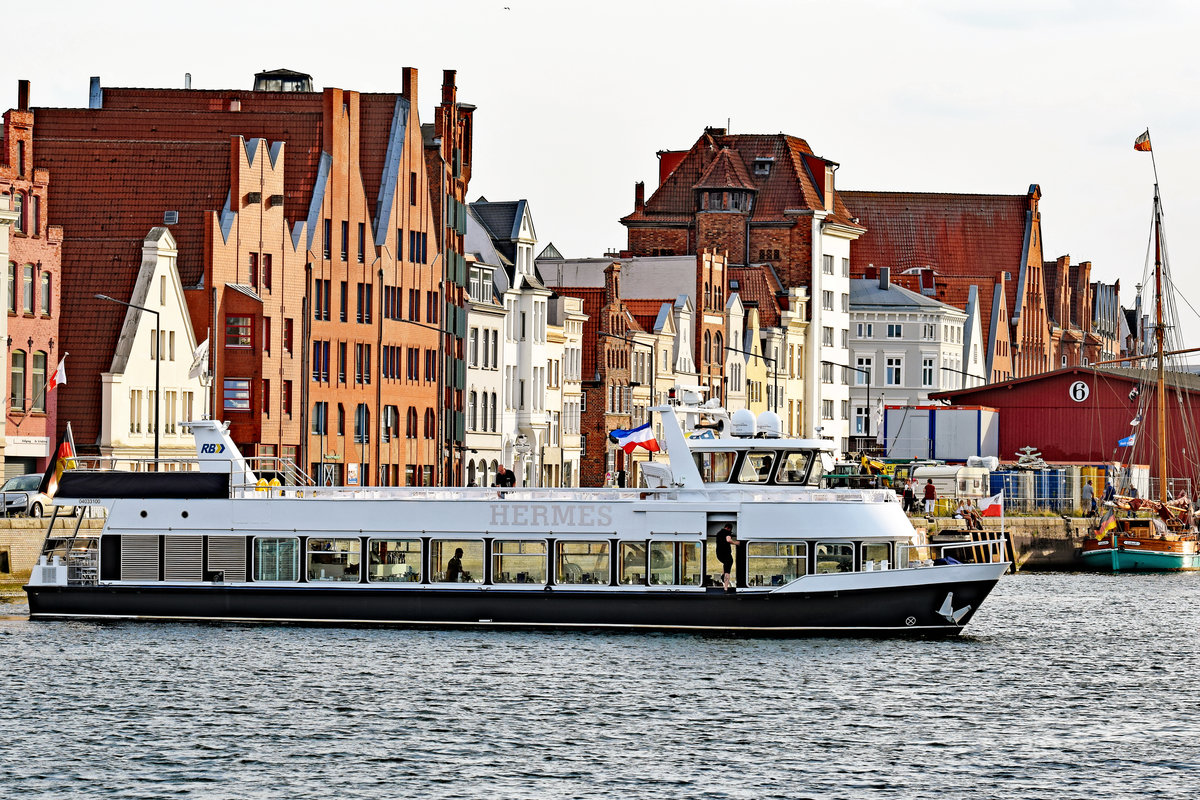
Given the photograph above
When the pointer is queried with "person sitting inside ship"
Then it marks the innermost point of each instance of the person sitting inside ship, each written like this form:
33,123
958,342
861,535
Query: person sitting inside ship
454,570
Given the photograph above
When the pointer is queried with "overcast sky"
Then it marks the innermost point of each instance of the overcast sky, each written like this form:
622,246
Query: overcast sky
574,99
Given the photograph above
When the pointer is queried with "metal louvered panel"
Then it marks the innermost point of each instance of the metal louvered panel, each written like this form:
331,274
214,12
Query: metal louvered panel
183,559
139,558
228,554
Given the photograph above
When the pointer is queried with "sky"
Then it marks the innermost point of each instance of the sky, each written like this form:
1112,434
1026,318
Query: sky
574,99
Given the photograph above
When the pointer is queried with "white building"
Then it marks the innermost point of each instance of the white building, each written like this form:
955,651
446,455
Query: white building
906,346
525,426
128,397
485,370
567,314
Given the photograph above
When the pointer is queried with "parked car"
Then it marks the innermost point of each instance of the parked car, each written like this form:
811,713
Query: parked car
21,496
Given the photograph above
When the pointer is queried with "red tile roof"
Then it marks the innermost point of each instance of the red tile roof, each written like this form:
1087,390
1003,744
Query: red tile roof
956,234
790,184
757,286
725,172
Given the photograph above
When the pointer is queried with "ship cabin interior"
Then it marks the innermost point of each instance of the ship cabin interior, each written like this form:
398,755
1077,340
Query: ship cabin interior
461,560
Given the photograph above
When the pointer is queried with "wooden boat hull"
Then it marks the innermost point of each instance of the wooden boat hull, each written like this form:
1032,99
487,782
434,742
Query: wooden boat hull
1138,554
890,607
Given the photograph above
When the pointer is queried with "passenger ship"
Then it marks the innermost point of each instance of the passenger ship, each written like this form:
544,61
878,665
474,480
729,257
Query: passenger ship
214,544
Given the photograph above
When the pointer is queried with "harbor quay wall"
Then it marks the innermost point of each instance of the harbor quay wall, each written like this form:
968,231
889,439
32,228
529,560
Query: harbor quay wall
1039,543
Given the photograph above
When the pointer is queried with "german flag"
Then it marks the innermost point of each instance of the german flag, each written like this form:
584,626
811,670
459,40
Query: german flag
1142,142
64,459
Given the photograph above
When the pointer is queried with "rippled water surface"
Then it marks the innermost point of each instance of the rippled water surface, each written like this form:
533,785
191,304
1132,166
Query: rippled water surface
1066,686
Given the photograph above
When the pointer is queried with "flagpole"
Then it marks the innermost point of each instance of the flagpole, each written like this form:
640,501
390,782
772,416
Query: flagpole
41,394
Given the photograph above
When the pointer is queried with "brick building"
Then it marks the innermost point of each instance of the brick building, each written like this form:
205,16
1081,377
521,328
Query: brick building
31,333
763,199
308,247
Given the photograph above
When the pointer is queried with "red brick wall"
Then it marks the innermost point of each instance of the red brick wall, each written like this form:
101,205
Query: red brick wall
722,232
659,241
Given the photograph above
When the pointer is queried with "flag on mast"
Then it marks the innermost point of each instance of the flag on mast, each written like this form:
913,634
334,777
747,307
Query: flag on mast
630,440
64,459
59,377
1142,142
199,360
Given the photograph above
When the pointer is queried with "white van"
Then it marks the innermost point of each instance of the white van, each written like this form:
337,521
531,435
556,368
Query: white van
957,482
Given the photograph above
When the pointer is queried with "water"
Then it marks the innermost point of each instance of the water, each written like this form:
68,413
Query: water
1069,686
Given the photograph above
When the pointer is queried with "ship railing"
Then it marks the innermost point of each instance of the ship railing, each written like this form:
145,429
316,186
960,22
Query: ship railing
445,493
807,494
975,551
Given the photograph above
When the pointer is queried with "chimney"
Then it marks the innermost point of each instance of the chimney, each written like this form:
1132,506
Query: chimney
187,80
639,196
22,95
448,88
885,276
410,85
95,93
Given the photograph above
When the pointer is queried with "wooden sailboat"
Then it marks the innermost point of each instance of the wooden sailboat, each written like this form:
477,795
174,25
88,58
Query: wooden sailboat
1166,538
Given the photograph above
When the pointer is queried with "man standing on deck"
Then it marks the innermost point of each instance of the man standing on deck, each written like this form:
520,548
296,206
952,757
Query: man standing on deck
725,544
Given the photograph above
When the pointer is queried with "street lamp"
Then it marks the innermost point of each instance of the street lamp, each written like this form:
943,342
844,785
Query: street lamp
157,362
774,370
863,371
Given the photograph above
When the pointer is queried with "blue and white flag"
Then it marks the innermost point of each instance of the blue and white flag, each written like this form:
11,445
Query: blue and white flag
629,440
1127,441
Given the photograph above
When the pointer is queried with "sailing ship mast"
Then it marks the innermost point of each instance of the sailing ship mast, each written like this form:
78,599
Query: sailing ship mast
1159,334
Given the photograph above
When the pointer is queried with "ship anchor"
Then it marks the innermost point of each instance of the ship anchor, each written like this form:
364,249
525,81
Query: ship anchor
948,611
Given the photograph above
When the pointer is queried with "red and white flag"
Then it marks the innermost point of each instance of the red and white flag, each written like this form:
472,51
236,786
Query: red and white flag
992,506
60,375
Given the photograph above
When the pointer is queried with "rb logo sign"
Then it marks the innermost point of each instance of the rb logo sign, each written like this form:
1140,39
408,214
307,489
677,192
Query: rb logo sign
212,448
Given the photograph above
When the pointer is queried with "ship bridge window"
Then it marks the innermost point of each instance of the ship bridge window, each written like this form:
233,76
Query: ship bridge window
756,468
715,466
775,563
632,564
833,557
583,562
675,564
794,467
448,565
333,559
879,554
277,559
394,560
519,562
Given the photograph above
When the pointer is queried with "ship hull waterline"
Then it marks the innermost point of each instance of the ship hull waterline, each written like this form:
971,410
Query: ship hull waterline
894,610
1125,560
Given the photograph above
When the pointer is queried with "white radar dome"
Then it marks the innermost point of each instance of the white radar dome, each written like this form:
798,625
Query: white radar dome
743,424
769,425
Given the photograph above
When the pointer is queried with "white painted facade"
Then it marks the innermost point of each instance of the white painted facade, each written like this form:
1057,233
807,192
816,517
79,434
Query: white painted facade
826,406
567,314
128,397
485,377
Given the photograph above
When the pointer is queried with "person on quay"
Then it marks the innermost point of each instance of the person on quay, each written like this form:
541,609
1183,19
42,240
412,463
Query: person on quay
1089,499
726,541
910,496
930,496
505,479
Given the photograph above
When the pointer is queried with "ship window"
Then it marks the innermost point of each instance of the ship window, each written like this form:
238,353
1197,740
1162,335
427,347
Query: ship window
879,554
394,560
519,562
715,466
794,467
583,562
469,568
675,564
756,468
834,557
276,559
333,559
632,563
775,563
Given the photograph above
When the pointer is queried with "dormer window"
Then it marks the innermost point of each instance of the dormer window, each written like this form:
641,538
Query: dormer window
762,166
726,201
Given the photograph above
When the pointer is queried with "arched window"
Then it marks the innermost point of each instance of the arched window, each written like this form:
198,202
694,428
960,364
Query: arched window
27,289
410,427
471,478
12,287
473,411
494,412
362,423
483,416
19,207
45,298
483,473
707,347
718,349
707,296
430,424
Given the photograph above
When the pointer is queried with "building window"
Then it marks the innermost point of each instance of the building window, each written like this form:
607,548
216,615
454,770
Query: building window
865,330
928,331
827,300
237,394
254,270
362,241
45,293
345,240
826,409
17,381
286,398
927,372
412,188
895,331
362,424
326,238
861,416
845,303
845,409
827,265
287,337
864,377
238,332
845,268
827,336
894,371
12,288
827,373
27,284
320,418
39,381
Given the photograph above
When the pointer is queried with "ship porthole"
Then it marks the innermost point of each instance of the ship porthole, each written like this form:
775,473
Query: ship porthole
910,621
143,513
184,515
